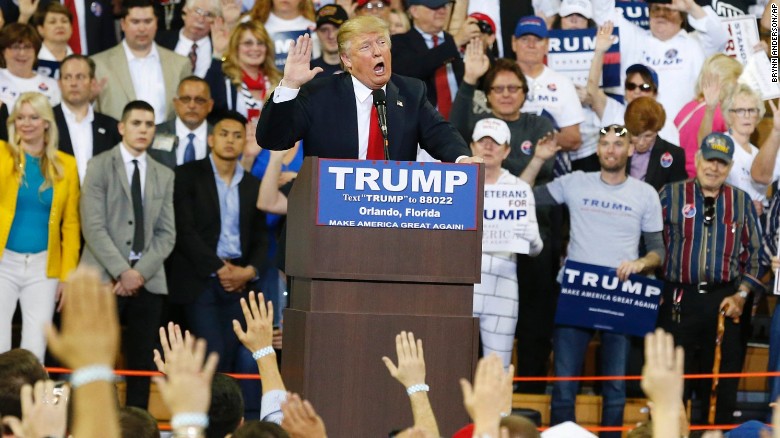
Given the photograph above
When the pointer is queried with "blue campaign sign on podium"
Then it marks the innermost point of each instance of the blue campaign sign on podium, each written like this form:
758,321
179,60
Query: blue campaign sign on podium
397,194
593,297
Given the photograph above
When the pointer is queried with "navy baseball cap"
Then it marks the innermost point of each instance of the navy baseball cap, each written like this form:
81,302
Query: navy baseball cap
641,68
717,146
533,25
331,14
431,4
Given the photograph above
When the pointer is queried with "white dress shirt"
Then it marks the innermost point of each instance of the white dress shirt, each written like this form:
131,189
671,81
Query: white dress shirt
202,64
201,147
148,80
128,158
80,137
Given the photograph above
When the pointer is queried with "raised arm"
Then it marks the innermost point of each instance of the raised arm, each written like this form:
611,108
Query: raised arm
662,382
270,199
87,342
545,149
711,89
604,40
410,372
258,337
764,164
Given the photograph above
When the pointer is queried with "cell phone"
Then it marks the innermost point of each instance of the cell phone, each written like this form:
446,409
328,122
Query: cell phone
485,28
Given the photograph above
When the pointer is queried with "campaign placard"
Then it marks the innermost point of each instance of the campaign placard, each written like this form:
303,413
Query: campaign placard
593,297
636,12
397,194
743,36
282,42
505,209
571,53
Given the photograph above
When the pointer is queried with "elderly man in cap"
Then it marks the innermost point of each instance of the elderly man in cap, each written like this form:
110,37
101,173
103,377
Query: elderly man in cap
329,20
548,91
712,241
429,53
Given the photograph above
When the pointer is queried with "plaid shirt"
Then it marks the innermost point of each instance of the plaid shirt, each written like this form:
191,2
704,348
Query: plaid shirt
720,252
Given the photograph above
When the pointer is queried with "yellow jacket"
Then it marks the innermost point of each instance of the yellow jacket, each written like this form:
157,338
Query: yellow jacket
64,226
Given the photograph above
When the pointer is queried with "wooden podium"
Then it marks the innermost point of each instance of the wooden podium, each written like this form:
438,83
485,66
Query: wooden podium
352,290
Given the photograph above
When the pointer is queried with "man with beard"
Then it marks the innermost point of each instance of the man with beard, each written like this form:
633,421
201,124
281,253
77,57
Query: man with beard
610,211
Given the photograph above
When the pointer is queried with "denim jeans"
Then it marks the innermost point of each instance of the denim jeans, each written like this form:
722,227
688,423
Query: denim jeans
774,356
569,346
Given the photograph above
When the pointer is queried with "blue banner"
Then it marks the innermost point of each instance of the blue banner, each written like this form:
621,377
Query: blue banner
397,194
282,42
593,297
636,12
571,53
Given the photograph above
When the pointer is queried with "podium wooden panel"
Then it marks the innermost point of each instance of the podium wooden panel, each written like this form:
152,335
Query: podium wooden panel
352,290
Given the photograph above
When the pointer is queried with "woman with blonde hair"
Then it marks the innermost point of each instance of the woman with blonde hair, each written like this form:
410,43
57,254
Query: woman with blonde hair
39,224
719,72
282,16
247,75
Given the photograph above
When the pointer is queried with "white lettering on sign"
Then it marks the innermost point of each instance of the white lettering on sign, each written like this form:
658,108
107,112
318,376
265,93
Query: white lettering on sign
396,180
609,282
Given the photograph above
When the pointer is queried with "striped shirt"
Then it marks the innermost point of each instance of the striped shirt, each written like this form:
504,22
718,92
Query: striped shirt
720,252
771,228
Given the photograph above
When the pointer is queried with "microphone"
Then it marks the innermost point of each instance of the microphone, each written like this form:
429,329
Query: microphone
381,110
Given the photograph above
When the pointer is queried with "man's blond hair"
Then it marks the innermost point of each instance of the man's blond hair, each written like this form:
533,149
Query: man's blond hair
357,26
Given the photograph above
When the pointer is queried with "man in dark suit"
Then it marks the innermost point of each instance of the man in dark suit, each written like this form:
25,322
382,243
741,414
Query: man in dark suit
127,218
193,40
432,55
95,22
183,138
335,115
221,239
84,133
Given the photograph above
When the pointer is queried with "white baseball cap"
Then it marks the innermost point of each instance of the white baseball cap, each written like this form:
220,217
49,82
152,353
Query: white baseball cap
582,7
494,128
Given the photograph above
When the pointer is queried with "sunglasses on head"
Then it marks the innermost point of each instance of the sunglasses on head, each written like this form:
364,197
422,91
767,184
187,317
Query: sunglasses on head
630,86
709,210
619,130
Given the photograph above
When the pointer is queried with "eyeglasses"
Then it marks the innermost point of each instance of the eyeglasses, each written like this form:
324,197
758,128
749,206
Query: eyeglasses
187,99
208,15
20,47
251,43
742,112
619,130
373,5
630,86
499,89
709,210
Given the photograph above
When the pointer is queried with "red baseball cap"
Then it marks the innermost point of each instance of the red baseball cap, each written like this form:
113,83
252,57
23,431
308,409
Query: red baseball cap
479,16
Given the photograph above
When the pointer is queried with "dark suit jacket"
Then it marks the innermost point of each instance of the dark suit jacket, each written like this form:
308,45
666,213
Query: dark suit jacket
660,169
411,57
168,158
324,115
219,89
105,134
196,204
99,16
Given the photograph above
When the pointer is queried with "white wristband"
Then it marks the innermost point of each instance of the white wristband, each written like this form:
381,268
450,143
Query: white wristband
191,419
417,388
265,351
91,373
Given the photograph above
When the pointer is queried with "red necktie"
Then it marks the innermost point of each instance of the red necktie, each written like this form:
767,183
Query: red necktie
443,96
75,37
376,148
